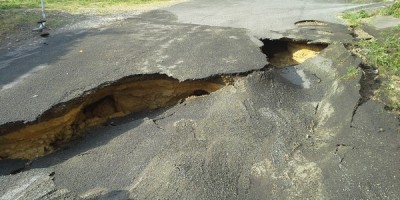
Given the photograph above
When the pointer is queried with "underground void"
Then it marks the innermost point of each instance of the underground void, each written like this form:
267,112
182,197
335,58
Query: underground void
67,121
283,53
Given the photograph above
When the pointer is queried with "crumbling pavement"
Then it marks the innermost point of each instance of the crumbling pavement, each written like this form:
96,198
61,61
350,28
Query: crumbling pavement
292,128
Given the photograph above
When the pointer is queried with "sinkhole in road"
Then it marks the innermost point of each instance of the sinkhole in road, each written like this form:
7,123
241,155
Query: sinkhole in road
69,120
283,53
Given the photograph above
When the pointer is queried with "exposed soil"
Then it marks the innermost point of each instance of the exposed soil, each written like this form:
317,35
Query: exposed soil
283,53
68,120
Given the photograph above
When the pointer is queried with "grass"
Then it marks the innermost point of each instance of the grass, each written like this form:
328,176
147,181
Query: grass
74,6
62,4
393,10
354,18
15,21
382,53
352,72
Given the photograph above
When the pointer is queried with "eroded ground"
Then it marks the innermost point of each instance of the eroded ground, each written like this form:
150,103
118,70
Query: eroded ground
67,121
240,117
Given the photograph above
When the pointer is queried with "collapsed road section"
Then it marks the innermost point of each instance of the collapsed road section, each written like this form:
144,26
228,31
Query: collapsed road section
42,108
281,133
286,52
62,122
68,120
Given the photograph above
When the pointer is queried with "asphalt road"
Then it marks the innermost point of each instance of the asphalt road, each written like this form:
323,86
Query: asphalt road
292,133
68,65
261,18
152,43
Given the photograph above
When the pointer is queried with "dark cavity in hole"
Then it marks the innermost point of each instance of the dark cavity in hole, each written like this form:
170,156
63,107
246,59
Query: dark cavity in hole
200,93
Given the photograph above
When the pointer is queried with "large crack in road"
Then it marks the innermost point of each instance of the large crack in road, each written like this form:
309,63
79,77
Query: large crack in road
66,121
275,127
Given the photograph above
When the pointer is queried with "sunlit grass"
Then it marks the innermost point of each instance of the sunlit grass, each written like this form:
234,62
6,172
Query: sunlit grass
16,21
393,10
354,18
62,4
382,53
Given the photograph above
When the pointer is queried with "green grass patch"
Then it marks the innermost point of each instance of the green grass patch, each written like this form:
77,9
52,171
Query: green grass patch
354,18
384,54
14,22
62,4
393,10
352,72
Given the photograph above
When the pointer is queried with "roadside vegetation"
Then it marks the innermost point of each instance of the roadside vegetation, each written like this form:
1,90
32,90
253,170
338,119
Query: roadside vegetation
355,18
16,21
383,53
68,5
352,72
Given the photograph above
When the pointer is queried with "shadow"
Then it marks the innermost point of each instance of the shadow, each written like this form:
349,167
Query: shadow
20,64
115,194
294,76
15,67
96,137
159,16
369,82
32,58
92,138
24,51
8,167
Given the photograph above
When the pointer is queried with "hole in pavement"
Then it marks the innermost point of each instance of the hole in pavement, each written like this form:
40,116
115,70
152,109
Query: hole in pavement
283,53
311,23
67,121
200,93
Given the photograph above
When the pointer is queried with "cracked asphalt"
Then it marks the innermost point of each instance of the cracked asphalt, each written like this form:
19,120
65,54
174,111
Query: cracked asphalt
262,19
291,133
58,70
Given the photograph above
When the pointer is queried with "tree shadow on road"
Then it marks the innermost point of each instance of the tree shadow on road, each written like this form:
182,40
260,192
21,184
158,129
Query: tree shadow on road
20,64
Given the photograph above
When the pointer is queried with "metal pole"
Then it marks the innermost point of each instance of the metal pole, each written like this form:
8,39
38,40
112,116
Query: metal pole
42,23
43,14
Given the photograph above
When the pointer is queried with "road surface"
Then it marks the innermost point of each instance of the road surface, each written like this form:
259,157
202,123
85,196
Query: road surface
243,130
